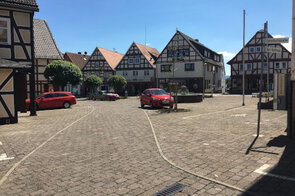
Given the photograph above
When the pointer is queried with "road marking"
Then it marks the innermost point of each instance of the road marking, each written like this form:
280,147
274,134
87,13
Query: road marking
2,180
186,170
238,115
0,143
261,169
206,144
255,135
217,112
3,157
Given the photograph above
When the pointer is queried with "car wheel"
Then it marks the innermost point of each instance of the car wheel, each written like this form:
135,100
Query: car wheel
67,105
141,104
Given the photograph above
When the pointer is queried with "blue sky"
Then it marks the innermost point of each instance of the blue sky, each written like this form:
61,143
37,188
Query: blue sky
82,25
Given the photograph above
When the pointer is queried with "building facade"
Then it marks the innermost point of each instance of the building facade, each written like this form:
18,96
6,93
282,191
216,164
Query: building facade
188,62
138,67
102,63
16,56
79,60
46,51
274,63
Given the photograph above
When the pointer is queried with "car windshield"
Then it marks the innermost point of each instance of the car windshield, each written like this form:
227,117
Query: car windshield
159,92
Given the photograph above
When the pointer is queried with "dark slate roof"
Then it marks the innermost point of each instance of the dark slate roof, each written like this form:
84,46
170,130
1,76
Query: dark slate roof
78,59
21,4
45,46
200,48
12,64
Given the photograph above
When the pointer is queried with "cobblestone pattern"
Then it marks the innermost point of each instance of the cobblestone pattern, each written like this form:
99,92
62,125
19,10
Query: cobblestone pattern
113,152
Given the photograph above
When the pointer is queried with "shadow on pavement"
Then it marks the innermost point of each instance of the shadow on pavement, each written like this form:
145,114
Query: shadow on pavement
280,180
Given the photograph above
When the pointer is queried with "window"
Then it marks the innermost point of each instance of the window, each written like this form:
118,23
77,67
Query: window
125,73
205,53
5,31
135,73
186,52
284,65
249,66
277,65
241,67
189,67
97,64
165,68
130,61
265,66
146,72
252,49
169,53
137,60
48,96
208,54
258,49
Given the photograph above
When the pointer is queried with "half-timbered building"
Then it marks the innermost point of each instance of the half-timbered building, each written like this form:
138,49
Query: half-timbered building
187,62
102,63
138,67
277,63
46,51
16,57
79,60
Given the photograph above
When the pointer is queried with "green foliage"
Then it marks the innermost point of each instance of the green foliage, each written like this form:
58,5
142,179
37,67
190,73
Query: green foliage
92,82
117,82
61,73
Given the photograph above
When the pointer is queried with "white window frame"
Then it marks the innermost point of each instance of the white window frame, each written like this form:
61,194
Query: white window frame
8,31
250,66
259,49
136,60
250,49
129,61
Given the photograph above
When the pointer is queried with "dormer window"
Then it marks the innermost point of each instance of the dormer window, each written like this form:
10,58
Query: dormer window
5,31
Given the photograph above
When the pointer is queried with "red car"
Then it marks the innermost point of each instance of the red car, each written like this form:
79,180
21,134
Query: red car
53,100
156,97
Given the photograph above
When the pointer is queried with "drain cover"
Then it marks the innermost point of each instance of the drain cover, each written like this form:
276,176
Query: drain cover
170,190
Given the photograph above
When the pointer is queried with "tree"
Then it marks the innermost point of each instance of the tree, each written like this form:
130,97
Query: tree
117,82
92,82
60,73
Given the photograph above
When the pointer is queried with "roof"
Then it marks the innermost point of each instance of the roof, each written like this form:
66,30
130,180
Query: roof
112,57
45,45
77,59
197,46
21,4
12,64
151,54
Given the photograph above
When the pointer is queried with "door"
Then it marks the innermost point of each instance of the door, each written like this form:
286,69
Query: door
47,101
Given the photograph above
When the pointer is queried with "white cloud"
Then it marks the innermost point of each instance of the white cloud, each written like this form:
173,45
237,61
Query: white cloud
227,56
287,45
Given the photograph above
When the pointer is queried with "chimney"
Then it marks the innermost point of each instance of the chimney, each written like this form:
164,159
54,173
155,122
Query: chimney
79,53
197,40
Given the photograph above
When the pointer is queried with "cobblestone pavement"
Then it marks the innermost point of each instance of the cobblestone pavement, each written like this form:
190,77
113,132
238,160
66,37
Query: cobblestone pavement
112,150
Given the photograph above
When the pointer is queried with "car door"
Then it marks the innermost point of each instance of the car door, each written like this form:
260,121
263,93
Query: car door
147,96
45,101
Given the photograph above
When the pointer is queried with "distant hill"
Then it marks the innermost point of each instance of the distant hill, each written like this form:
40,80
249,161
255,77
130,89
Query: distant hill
226,77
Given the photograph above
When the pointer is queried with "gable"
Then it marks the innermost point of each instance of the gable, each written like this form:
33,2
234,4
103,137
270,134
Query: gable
182,45
253,51
135,59
97,62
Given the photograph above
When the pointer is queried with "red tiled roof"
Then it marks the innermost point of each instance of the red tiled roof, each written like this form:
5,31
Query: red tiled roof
149,53
113,58
77,59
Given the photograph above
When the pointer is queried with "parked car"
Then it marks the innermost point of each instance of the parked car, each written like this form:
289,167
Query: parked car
104,95
156,97
53,100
